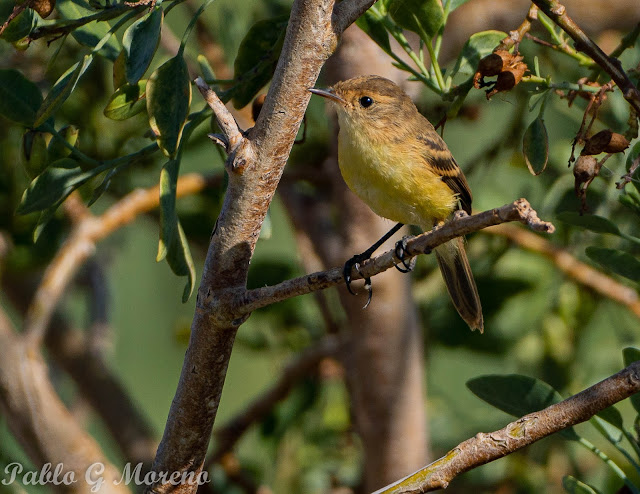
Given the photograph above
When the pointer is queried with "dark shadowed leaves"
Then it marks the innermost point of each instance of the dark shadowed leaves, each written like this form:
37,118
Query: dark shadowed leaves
631,355
257,58
173,243
418,15
477,47
127,101
517,395
616,261
535,146
20,26
61,90
140,42
90,34
168,101
19,97
590,222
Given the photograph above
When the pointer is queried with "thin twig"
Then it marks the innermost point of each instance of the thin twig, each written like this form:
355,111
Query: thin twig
572,267
612,66
232,134
487,447
81,244
519,210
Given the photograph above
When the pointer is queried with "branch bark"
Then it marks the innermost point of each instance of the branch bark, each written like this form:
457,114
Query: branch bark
487,447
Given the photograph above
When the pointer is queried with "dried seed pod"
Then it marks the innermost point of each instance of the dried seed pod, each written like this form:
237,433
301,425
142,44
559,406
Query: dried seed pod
597,143
617,144
490,66
508,78
585,169
257,106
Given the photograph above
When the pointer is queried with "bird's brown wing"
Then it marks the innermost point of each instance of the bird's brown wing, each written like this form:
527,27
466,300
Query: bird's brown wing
437,154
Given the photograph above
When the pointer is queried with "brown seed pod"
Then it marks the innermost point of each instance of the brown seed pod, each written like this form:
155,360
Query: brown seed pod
508,78
585,169
43,7
491,65
617,144
257,106
597,143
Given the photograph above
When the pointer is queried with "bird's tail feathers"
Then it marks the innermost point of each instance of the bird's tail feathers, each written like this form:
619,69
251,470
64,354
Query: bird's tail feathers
457,275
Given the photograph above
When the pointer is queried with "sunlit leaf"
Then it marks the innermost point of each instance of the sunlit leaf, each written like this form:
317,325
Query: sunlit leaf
90,34
168,101
19,97
418,15
478,46
590,222
575,486
257,58
617,261
61,90
127,101
535,146
371,24
517,395
173,244
51,187
140,42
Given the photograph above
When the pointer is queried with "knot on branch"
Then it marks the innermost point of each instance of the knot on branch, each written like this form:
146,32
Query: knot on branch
529,217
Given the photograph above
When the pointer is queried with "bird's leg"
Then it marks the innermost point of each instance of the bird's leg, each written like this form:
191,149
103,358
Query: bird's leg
355,261
401,250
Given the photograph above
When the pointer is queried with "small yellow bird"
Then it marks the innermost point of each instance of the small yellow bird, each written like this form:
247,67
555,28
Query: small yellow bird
394,160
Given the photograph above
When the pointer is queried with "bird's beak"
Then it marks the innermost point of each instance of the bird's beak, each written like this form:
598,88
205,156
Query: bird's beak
329,94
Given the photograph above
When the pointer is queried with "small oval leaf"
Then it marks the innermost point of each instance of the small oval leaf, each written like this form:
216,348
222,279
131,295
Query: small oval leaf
535,146
418,15
61,90
168,101
140,42
575,486
19,97
477,47
257,58
127,101
20,26
617,261
590,222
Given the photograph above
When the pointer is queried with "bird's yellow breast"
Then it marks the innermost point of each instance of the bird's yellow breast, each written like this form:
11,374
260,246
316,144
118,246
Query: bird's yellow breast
393,179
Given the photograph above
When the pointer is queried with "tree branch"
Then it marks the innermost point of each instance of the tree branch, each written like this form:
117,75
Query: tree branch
572,267
484,448
612,66
519,210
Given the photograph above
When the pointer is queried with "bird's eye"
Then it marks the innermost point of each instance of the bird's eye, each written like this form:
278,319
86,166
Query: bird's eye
366,102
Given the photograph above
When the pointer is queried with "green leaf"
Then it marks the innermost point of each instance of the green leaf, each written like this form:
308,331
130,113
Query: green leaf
57,148
631,200
477,47
590,222
454,4
611,415
61,90
631,355
140,42
20,26
419,16
52,187
257,58
634,152
535,146
19,97
173,244
90,34
168,101
575,486
127,101
616,261
614,436
373,26
517,395
35,157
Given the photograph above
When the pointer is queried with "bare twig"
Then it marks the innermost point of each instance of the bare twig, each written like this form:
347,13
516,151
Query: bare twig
628,177
612,66
572,267
484,448
519,210
81,244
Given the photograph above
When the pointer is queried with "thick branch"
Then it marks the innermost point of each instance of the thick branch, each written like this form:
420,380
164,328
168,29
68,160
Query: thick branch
484,448
572,267
519,210
612,66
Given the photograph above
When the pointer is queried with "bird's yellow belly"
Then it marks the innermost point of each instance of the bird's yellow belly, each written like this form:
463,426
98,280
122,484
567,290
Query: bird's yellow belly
393,185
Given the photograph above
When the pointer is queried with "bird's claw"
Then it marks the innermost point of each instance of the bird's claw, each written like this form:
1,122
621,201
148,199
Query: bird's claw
354,263
400,251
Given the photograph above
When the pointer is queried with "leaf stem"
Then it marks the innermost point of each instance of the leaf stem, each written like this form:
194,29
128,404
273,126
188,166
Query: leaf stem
610,463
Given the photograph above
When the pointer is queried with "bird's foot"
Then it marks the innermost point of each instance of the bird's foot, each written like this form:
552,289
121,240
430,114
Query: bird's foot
354,263
401,252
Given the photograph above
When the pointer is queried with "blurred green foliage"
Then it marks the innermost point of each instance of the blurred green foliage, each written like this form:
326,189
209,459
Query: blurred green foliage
538,322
